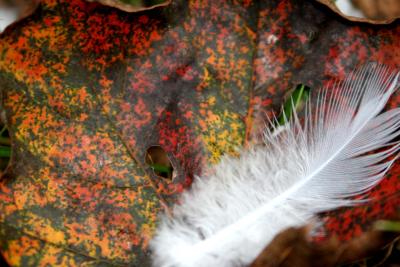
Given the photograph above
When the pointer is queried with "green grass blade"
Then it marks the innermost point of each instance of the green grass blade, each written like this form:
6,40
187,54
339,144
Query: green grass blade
158,168
298,97
5,151
392,226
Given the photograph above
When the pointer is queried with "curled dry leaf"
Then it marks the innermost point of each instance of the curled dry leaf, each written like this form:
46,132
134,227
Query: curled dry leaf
132,7
292,247
375,11
12,11
24,8
381,9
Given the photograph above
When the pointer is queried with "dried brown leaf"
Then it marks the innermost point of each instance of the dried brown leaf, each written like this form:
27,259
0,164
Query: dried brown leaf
128,7
293,247
382,19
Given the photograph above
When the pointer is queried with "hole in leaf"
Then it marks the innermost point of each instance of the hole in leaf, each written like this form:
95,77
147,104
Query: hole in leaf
5,147
158,160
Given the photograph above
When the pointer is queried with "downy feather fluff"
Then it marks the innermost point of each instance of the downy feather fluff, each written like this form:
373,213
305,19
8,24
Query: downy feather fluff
315,165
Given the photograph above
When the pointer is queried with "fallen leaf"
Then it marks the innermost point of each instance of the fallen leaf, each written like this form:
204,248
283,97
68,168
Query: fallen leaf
133,6
369,9
292,247
86,89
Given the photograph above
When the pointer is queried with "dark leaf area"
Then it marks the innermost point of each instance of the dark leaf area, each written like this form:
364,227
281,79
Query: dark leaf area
87,89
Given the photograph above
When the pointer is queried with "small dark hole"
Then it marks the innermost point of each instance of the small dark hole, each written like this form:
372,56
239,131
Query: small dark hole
5,147
158,160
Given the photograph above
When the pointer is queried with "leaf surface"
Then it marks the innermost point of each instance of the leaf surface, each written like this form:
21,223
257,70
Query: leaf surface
86,89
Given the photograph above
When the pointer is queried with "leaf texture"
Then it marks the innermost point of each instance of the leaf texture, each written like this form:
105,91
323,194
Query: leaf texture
86,89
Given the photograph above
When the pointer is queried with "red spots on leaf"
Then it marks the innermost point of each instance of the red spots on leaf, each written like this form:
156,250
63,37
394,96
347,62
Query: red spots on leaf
144,19
126,107
83,194
155,36
49,21
187,73
333,52
179,140
142,83
188,115
142,40
22,42
141,110
247,3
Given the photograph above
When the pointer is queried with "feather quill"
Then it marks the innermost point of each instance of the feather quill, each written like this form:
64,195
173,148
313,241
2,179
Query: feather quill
316,164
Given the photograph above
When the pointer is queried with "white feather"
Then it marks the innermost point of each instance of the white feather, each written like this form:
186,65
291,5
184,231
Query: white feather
227,218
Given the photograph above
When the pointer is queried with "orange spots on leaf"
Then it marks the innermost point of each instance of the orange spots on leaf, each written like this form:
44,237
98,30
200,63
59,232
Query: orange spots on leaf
18,248
105,82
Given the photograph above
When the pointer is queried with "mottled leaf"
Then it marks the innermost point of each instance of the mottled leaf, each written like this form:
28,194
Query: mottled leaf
86,89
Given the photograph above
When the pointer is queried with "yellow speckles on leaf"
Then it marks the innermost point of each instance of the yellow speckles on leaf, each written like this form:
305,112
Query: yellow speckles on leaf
149,211
14,253
212,58
20,199
42,227
206,75
24,246
213,118
51,257
235,126
88,236
105,246
223,135
147,232
50,3
71,102
218,134
56,256
35,129
26,194
205,79
211,100
56,236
